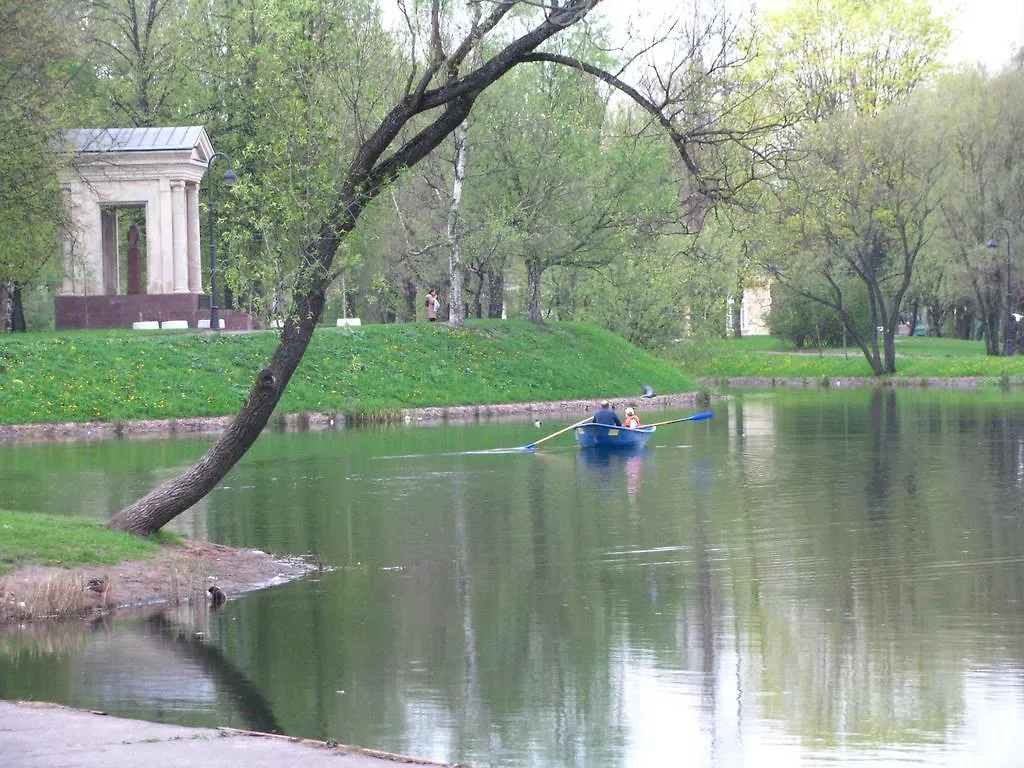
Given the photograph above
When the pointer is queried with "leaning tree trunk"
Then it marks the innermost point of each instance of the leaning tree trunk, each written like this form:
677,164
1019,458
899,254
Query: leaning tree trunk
160,506
370,171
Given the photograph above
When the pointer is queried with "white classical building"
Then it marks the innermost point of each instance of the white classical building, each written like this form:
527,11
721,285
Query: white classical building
754,308
153,175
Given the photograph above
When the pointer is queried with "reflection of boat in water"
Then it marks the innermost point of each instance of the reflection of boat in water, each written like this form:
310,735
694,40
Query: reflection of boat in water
616,468
606,437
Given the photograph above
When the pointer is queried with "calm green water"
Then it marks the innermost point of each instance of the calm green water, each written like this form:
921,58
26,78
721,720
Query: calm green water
806,579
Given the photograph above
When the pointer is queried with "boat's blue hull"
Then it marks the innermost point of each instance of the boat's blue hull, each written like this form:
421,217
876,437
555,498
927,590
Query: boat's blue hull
605,437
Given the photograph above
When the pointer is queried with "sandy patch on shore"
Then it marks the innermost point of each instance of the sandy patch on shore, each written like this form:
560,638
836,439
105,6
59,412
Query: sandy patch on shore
177,574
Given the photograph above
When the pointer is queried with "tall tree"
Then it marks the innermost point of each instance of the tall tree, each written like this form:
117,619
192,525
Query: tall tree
35,77
866,212
861,188
985,178
135,49
440,91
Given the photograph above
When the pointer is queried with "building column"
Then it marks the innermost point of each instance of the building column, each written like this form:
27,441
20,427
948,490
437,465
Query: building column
154,245
108,277
67,285
90,255
166,284
179,235
195,274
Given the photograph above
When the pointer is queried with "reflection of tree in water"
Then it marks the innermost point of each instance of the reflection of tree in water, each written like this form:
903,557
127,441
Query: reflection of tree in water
155,666
247,699
870,587
565,692
886,451
702,474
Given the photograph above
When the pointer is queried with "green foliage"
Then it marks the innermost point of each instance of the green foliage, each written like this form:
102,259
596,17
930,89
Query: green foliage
806,322
297,84
43,539
33,55
832,55
86,376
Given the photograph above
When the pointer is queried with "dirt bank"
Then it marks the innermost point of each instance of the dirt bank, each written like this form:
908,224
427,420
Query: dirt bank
177,574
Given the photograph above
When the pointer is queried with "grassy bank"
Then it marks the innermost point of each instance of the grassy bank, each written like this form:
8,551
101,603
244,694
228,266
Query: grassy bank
32,538
123,375
767,357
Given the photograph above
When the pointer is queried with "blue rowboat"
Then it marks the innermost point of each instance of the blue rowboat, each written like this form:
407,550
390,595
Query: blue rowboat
607,437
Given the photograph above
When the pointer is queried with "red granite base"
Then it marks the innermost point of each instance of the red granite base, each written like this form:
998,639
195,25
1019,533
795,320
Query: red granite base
76,312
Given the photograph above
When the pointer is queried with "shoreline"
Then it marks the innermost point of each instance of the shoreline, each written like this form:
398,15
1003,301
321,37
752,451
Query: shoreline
36,733
182,574
860,382
178,574
326,420
317,421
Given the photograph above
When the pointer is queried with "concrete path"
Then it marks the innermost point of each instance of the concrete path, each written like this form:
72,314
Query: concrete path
51,736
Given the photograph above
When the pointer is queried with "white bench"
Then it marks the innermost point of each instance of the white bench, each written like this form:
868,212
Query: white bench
175,325
146,325
349,321
205,322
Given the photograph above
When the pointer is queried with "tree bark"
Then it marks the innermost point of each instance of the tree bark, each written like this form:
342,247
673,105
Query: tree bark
533,275
457,307
736,316
166,502
17,311
408,300
5,311
495,292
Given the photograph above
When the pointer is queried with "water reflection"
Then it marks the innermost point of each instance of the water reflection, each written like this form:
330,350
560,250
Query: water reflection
804,580
156,664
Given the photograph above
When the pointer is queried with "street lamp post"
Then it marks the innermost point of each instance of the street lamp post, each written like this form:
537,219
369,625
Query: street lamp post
229,178
1007,326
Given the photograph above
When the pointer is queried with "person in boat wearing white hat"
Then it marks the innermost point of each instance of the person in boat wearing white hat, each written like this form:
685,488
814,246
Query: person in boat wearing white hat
632,420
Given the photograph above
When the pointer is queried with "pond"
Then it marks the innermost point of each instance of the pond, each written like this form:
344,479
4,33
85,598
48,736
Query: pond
806,579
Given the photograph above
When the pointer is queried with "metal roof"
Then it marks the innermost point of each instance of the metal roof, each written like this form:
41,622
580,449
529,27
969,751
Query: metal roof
183,137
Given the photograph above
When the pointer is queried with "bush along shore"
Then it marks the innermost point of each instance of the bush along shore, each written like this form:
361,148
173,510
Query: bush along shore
369,373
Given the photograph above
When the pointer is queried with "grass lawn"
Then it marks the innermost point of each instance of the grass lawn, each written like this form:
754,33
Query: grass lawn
122,375
41,539
766,356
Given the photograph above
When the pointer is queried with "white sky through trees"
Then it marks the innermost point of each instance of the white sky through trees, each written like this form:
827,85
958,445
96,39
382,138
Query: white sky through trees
985,31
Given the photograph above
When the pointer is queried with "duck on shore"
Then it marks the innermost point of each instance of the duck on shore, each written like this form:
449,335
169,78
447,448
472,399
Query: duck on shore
217,596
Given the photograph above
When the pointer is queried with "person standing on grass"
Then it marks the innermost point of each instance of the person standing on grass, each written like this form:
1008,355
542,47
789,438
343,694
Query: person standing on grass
432,304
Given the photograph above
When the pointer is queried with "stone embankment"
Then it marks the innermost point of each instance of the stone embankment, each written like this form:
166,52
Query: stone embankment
852,382
158,428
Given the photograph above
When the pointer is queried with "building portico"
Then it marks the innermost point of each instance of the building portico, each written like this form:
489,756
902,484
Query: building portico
153,174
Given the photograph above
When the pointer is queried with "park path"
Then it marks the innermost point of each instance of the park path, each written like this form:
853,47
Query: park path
34,735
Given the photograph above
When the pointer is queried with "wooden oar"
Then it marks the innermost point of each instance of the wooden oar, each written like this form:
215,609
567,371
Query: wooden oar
695,417
531,446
